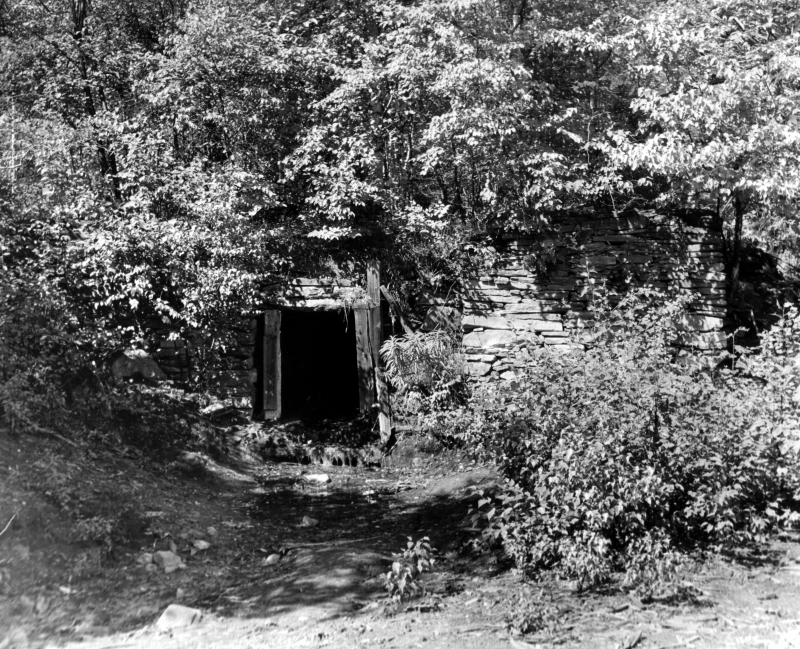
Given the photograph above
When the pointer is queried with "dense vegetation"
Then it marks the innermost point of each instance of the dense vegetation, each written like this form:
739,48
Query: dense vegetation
174,154
627,456
169,157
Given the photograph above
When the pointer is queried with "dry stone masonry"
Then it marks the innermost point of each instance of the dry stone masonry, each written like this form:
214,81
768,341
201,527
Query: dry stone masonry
230,369
537,293
540,287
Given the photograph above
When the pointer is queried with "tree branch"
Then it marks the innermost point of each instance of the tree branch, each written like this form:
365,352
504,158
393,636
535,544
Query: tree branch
8,525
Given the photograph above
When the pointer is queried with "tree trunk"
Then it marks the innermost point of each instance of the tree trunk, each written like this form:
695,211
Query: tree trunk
108,161
736,252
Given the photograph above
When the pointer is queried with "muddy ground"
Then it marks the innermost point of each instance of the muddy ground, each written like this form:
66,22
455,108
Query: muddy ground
71,572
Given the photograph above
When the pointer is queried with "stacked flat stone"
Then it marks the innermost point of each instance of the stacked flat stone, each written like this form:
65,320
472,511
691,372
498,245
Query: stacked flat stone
517,306
232,373
514,308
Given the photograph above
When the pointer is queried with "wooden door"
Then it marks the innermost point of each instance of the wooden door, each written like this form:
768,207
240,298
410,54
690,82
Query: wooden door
270,384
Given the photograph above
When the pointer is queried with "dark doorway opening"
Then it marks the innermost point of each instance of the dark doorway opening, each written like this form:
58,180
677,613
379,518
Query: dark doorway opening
319,370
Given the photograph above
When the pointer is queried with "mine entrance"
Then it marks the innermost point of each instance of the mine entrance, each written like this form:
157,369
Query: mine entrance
318,364
307,365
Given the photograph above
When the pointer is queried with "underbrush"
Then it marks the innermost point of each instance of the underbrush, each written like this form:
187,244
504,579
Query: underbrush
425,370
55,344
624,459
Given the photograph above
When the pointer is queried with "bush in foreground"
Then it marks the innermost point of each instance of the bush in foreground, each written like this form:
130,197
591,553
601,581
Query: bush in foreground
620,457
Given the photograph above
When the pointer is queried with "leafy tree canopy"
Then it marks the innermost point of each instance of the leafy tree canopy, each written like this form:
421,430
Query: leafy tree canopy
173,154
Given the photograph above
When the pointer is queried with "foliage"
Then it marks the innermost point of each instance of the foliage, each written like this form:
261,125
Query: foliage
717,97
72,499
402,581
43,343
172,159
534,614
426,370
618,458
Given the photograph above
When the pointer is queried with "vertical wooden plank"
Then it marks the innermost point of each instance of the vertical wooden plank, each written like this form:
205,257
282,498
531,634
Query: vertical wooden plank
374,282
366,385
272,364
257,365
376,340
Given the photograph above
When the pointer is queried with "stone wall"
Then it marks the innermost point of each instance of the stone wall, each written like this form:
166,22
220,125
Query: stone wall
538,290
229,370
224,363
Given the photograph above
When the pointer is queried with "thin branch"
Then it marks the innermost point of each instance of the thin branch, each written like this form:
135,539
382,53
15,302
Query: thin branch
8,525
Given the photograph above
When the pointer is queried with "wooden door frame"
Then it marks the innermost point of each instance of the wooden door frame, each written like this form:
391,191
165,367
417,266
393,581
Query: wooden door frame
267,353
375,325
372,385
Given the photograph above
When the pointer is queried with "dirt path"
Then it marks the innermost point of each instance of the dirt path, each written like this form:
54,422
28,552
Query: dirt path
326,589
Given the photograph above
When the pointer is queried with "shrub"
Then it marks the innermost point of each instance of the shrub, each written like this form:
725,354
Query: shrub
37,352
402,581
619,457
426,370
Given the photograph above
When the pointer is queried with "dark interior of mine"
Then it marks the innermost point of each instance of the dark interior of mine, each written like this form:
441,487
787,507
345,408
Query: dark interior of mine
319,372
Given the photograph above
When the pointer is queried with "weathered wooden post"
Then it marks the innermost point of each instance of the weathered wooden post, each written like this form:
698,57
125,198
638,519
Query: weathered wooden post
376,339
271,362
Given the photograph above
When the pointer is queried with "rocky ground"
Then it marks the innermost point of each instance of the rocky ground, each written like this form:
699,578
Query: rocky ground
110,547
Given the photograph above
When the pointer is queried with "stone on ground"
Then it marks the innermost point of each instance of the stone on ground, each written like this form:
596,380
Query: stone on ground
169,561
176,616
309,522
145,559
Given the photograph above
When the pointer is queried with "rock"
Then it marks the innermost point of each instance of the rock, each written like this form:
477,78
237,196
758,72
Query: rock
478,369
193,459
177,616
212,531
272,560
199,544
490,338
180,593
169,561
486,322
318,478
309,522
145,559
217,410
691,322
544,325
137,364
